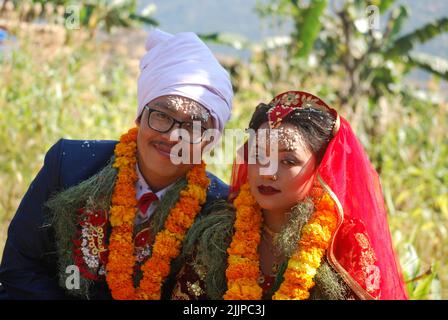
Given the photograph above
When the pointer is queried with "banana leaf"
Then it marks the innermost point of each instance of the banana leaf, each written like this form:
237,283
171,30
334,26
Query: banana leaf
309,27
403,45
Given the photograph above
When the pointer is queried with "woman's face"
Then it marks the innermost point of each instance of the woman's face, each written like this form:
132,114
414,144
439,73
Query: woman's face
293,180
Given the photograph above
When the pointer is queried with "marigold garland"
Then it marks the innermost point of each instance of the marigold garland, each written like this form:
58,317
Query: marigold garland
167,242
243,268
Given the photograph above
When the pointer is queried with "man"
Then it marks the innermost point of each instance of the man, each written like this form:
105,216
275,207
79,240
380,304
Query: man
58,241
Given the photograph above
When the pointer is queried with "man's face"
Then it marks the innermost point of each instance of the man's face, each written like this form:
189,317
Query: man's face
154,148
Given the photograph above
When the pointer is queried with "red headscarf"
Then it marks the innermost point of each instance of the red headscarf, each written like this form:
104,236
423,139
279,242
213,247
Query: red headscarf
361,249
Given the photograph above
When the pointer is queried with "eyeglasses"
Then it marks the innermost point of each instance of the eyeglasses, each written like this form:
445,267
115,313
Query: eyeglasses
163,123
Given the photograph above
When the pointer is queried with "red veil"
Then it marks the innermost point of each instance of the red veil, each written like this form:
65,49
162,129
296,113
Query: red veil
361,249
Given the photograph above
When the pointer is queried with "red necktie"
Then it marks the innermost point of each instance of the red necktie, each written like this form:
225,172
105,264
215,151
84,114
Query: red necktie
145,201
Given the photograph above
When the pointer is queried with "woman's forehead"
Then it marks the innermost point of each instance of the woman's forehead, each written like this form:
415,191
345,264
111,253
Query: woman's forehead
289,137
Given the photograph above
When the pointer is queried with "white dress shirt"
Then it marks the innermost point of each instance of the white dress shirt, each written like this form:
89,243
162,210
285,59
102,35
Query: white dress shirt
142,187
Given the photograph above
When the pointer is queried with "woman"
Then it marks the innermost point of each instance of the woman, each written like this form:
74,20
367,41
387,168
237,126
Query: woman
316,229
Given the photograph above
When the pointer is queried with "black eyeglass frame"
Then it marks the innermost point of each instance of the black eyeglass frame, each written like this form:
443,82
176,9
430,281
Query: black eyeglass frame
174,122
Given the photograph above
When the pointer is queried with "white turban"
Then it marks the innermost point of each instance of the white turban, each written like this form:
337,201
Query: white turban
183,65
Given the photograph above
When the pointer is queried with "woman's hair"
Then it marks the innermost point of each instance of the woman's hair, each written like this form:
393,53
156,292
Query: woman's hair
315,125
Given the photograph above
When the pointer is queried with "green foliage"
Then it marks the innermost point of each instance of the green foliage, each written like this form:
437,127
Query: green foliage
406,43
308,26
383,5
93,14
233,40
421,284
397,18
429,63
306,19
75,94
108,14
374,62
411,156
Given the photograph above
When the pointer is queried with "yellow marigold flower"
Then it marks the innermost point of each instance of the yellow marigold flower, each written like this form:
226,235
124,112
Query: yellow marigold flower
316,232
303,268
312,256
195,192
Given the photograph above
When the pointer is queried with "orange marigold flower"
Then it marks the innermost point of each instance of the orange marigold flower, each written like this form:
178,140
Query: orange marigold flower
243,289
243,269
122,214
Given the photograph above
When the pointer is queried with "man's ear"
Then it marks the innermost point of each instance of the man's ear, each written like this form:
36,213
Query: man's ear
138,121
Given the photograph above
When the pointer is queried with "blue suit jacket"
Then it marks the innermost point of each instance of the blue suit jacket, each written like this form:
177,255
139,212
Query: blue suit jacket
29,266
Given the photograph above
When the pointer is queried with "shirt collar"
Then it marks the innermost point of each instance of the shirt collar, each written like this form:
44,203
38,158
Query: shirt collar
142,186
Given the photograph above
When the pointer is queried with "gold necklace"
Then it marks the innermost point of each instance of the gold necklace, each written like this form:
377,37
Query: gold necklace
272,248
270,232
